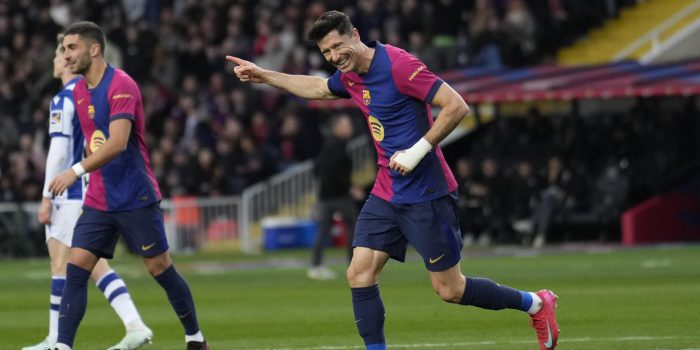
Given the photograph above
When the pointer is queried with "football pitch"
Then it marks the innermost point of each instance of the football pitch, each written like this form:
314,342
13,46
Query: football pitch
610,298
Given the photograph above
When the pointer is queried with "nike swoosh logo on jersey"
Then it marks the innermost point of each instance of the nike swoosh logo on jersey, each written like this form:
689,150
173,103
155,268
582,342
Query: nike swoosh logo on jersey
351,83
548,344
432,261
80,100
147,247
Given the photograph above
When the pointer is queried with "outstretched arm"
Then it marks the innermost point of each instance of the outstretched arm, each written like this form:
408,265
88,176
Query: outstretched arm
304,86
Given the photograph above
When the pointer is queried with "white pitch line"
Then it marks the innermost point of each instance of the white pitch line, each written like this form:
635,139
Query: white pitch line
476,343
483,343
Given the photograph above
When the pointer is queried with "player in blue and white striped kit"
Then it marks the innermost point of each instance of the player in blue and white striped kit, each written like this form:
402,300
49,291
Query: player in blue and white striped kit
60,213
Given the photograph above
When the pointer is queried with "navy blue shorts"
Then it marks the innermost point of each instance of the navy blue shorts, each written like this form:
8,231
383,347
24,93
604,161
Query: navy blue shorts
142,229
432,227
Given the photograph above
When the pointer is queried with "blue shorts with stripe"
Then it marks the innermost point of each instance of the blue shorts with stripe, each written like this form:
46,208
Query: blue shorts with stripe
142,229
432,227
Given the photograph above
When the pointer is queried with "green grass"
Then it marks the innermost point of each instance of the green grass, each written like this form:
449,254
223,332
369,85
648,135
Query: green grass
643,298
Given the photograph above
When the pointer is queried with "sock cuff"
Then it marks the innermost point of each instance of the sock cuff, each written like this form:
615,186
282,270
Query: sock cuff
57,285
526,301
468,292
375,347
365,293
77,274
107,279
163,277
107,275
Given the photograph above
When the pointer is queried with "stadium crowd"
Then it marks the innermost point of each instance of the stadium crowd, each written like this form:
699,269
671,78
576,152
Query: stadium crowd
210,135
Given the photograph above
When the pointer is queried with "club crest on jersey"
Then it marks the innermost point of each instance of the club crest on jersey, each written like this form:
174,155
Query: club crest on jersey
91,111
377,128
366,98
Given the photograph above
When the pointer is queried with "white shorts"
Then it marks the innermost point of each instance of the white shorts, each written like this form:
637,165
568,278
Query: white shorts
63,218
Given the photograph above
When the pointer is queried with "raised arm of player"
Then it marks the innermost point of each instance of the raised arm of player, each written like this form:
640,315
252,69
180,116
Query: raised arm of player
119,131
304,86
452,110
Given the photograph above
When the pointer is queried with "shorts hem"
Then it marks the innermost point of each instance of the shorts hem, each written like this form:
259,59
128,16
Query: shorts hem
400,258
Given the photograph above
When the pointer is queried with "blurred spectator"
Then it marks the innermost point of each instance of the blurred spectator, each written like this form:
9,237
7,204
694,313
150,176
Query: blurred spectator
494,202
418,46
521,29
333,168
471,201
611,190
485,35
446,16
551,200
523,192
289,140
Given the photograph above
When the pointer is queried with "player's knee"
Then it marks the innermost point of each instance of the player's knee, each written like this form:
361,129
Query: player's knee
448,293
156,268
358,278
58,267
157,264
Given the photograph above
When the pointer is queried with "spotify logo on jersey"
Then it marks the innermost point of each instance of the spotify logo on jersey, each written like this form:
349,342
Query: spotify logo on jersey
377,128
96,140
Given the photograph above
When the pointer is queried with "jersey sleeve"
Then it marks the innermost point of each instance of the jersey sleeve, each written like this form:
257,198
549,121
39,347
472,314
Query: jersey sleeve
335,85
55,160
413,78
61,116
123,98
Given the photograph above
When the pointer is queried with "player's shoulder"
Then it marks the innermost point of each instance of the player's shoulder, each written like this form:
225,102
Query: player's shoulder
58,100
122,78
123,85
396,53
67,90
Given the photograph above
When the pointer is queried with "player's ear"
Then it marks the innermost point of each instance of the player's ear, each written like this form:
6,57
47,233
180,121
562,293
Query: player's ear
94,50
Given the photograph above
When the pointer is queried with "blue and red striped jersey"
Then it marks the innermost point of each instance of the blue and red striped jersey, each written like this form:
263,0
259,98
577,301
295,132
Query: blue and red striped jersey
126,182
395,96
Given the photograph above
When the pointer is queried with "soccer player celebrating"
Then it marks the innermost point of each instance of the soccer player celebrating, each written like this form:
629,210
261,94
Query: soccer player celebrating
60,213
123,196
414,197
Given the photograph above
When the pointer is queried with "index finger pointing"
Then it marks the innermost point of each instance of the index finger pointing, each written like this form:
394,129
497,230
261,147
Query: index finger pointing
235,60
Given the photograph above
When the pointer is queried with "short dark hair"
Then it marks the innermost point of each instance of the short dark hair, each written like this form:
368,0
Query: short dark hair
59,42
328,22
88,30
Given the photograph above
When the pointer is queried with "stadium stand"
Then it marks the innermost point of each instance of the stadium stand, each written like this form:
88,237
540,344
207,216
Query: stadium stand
211,136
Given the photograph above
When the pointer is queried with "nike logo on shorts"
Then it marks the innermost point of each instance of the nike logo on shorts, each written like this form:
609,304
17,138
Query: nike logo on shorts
433,261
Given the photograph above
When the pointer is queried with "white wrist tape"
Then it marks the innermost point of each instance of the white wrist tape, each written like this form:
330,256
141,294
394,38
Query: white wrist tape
79,170
412,156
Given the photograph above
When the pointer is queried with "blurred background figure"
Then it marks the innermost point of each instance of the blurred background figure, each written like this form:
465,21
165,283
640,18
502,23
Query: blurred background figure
337,195
551,200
